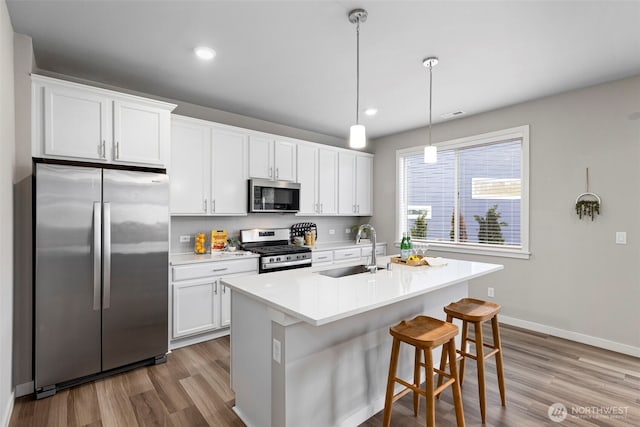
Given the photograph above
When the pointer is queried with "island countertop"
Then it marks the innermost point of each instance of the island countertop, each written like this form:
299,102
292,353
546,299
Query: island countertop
316,299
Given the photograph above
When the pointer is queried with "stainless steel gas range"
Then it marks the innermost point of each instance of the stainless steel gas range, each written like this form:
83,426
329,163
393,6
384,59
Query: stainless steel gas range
276,252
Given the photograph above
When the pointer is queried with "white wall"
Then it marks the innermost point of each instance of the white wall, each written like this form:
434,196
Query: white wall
578,282
7,165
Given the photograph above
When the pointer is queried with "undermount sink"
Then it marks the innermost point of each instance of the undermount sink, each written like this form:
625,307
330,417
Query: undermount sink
346,271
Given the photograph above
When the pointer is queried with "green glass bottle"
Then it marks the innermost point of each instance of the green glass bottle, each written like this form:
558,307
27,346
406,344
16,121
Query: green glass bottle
405,249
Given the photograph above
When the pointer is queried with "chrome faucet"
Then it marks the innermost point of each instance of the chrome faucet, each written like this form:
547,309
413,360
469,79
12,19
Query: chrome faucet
373,266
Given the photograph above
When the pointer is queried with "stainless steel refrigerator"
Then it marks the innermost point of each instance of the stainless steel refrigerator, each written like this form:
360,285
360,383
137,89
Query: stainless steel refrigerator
101,266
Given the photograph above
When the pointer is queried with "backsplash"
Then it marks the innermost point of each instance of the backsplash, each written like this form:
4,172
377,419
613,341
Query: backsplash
181,226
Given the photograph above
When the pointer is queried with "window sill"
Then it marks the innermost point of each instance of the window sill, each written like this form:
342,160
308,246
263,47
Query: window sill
475,250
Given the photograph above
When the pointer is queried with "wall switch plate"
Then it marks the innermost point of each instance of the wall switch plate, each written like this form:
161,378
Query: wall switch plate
185,239
490,293
276,350
347,231
332,231
621,237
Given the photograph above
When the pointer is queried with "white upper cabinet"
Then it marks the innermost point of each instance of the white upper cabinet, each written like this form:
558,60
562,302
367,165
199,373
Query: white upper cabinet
327,181
284,160
272,159
364,185
308,179
189,176
347,184
229,172
141,132
260,157
75,123
208,174
355,175
79,122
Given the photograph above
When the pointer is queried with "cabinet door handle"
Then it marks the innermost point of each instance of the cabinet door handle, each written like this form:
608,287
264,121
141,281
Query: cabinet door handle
213,205
205,205
346,255
104,149
323,257
215,270
277,172
215,288
117,150
354,209
270,172
224,289
321,208
357,208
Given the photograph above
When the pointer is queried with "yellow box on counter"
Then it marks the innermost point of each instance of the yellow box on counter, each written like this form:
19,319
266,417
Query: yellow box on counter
218,239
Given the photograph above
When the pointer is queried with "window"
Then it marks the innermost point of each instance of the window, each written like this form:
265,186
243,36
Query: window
474,199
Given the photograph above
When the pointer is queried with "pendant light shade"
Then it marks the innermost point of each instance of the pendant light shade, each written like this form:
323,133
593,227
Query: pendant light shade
357,137
357,134
430,154
430,151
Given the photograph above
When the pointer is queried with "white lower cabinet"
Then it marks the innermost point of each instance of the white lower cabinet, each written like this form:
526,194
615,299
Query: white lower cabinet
196,307
322,257
346,254
330,256
201,304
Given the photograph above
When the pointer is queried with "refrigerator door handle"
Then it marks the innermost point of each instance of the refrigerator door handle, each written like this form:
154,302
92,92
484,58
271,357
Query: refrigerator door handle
97,253
106,260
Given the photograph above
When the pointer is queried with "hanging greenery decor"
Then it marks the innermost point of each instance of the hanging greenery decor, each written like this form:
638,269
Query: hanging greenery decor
588,204
588,208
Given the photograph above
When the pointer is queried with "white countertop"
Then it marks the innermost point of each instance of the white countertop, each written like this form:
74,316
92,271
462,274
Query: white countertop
191,258
318,300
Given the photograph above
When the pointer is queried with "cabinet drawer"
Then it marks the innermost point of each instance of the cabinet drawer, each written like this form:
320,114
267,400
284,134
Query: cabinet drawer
323,257
346,254
215,268
380,250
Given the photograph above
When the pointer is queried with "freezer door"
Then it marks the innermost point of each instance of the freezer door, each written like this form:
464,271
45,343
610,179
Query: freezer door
135,267
67,273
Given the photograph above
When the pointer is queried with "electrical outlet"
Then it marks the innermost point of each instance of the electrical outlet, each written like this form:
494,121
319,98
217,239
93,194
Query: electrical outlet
276,350
347,231
185,238
490,293
621,237
332,231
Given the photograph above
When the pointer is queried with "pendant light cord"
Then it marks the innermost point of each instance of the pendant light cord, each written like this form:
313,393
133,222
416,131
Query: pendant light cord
430,96
358,72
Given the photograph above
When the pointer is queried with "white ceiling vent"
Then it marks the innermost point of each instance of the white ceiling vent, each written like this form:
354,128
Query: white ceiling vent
453,114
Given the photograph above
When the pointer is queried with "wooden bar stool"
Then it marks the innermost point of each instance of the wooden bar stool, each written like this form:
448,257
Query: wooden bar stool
477,312
424,333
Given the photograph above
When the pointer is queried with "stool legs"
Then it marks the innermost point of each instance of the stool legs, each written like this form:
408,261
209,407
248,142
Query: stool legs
431,410
393,365
498,344
416,381
463,347
477,329
457,395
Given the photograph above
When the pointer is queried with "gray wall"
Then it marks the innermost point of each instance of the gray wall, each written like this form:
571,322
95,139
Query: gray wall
577,279
7,166
24,64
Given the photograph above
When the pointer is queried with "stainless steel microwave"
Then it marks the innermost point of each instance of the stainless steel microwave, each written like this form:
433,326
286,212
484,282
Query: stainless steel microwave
273,196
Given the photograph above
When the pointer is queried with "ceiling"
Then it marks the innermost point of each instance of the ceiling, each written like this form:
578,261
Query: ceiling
293,62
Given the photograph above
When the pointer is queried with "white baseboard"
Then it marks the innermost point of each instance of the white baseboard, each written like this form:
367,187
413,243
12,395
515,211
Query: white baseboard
8,410
573,336
24,389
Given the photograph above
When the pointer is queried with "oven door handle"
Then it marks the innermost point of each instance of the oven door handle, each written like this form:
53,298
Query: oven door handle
300,262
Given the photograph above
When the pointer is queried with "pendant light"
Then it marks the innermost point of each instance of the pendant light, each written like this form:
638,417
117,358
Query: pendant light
357,136
430,151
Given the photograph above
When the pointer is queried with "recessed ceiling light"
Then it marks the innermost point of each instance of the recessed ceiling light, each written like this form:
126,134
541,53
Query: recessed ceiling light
371,111
205,53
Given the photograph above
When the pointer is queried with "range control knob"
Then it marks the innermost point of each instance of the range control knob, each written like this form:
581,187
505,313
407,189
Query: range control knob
278,259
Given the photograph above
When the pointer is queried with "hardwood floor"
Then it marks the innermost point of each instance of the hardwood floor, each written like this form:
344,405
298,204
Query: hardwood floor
192,389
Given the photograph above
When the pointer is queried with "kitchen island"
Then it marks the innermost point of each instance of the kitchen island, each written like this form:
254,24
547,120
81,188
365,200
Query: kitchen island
312,350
